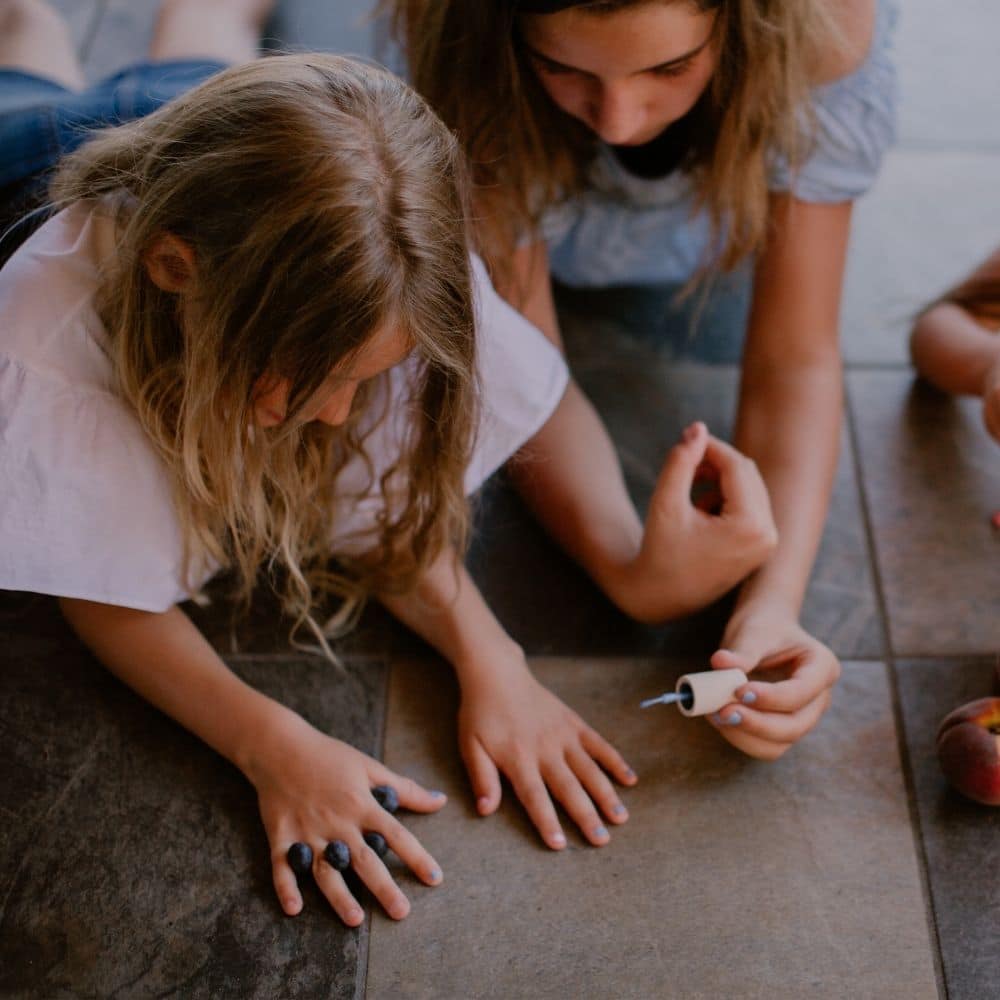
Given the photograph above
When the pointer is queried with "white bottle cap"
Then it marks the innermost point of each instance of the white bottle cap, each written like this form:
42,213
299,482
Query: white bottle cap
709,691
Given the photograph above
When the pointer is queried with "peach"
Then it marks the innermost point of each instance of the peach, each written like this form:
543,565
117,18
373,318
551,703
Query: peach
968,746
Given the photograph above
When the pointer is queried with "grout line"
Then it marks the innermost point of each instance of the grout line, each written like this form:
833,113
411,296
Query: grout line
899,722
877,366
945,147
364,946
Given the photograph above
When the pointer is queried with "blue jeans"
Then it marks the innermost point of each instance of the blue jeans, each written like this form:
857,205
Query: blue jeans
40,120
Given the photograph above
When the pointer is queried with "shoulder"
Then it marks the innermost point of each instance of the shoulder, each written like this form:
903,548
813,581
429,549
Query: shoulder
853,22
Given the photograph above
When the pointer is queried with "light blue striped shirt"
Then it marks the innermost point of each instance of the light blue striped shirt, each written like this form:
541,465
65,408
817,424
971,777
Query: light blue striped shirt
628,230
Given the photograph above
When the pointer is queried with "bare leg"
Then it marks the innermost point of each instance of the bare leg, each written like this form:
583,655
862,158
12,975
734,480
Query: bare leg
227,30
35,38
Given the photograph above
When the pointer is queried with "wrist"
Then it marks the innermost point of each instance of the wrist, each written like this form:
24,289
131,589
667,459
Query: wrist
266,736
498,661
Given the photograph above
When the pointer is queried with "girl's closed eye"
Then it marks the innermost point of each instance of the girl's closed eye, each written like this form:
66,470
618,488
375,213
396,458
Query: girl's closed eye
673,69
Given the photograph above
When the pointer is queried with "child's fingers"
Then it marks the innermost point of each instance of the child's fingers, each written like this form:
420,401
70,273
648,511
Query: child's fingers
607,756
534,796
743,489
785,696
775,727
285,884
331,883
680,467
412,796
483,775
567,789
597,785
375,875
410,851
755,746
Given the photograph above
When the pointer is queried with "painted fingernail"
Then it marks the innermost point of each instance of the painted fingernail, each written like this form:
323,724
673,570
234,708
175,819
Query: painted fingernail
717,719
600,831
435,794
618,809
558,840
749,698
436,875
629,773
733,719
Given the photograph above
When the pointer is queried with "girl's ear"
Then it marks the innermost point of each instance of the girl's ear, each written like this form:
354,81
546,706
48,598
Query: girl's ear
169,263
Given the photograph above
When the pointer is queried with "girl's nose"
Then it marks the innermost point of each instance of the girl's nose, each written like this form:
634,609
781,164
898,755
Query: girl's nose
337,408
616,115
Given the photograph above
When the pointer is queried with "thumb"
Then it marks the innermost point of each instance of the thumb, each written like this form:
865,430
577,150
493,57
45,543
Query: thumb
484,777
744,652
681,465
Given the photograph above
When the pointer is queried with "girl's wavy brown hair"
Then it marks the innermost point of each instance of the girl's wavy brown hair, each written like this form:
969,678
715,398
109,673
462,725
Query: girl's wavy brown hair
466,57
324,201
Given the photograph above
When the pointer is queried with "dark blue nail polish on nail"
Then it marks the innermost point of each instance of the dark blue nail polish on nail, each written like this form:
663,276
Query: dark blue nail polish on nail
749,698
734,719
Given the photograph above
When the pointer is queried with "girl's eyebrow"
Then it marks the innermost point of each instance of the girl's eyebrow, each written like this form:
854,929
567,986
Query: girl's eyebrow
649,69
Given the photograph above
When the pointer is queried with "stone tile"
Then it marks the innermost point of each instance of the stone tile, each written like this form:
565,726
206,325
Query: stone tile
949,75
931,217
932,477
264,630
960,837
133,859
548,603
732,878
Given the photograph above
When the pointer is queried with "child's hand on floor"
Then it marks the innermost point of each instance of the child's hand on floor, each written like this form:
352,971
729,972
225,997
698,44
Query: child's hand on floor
313,789
695,549
509,723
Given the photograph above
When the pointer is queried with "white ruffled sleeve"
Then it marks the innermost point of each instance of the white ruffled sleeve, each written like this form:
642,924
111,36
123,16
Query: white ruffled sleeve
522,379
856,124
85,504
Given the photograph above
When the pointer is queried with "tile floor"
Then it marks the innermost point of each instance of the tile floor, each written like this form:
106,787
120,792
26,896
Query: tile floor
132,862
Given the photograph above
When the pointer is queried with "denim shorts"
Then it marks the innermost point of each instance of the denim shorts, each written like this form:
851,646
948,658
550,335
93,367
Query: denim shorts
40,120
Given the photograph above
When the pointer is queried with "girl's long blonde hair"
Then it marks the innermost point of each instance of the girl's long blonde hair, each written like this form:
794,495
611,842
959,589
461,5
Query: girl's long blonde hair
323,201
467,59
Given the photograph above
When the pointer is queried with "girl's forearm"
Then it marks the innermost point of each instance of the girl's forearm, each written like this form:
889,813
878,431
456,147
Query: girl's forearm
789,423
447,610
570,477
166,660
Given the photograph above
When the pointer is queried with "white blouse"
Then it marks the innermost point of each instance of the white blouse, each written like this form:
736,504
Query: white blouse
85,502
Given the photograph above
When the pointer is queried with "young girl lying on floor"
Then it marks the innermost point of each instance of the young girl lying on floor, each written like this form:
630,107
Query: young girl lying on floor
254,336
